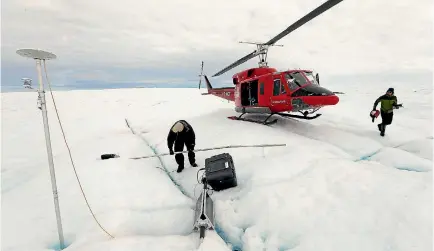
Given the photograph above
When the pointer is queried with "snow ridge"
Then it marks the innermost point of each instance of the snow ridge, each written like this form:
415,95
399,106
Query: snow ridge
218,229
159,158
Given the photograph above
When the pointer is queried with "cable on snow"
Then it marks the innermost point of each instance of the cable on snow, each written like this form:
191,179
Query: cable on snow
70,155
211,148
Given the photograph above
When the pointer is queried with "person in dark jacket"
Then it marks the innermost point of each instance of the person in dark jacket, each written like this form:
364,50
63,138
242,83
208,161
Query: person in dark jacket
180,134
388,102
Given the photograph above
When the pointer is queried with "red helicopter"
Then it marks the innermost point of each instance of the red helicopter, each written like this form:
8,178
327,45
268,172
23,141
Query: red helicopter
265,90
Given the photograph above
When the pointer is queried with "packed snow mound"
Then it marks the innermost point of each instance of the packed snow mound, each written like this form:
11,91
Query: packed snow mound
402,160
334,136
139,242
150,242
334,205
213,242
336,185
420,147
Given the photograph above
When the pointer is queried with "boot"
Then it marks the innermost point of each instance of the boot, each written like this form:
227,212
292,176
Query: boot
179,157
383,130
180,168
192,158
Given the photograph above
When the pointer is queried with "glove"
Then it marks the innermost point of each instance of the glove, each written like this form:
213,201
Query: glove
397,106
373,115
190,147
171,152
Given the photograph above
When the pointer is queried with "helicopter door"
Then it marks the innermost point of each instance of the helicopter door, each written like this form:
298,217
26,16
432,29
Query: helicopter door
279,96
249,93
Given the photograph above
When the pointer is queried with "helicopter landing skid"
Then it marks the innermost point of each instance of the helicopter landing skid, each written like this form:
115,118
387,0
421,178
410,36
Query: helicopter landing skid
264,122
299,116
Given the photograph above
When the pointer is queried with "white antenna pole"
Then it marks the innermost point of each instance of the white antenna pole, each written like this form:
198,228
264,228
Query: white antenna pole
39,55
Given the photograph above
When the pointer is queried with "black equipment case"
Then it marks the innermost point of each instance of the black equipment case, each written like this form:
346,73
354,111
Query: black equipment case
220,172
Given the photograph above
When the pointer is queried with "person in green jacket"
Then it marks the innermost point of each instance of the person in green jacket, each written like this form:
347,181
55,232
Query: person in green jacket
388,102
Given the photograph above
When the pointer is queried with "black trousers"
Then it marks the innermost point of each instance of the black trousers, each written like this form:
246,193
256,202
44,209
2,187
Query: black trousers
179,146
386,118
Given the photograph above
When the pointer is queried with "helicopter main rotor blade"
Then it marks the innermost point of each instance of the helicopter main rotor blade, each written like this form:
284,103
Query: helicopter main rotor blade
236,63
311,15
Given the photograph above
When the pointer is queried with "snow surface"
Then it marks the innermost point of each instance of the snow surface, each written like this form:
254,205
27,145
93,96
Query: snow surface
336,185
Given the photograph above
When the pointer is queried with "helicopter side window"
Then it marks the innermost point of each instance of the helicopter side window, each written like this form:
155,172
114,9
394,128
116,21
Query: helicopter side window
282,89
261,88
276,87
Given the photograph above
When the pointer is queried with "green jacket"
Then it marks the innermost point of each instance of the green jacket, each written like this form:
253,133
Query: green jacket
387,103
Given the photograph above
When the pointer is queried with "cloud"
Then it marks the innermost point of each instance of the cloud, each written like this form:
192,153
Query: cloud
131,39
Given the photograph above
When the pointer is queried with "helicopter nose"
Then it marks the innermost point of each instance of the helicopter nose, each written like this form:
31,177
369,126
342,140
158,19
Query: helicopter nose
321,100
331,100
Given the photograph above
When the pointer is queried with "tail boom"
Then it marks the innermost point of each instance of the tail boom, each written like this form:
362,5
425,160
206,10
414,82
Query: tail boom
227,93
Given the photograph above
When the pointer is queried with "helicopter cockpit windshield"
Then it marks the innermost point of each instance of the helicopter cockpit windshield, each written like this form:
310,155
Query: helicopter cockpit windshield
295,80
311,77
300,86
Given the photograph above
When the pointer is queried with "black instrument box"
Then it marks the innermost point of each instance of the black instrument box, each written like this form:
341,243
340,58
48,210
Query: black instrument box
220,172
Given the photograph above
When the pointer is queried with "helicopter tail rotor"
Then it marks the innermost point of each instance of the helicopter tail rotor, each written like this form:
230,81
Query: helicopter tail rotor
200,75
208,84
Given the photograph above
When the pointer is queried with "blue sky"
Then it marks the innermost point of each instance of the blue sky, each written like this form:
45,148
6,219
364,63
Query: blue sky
102,44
